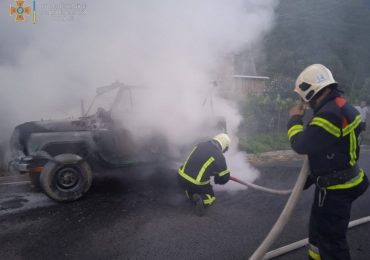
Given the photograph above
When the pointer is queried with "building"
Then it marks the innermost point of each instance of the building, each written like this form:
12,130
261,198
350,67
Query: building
250,84
245,78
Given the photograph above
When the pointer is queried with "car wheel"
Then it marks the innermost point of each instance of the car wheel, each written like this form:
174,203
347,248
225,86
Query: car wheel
66,181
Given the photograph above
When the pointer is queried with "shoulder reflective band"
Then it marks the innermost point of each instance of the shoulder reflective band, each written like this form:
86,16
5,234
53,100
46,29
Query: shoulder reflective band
349,184
223,173
352,126
295,129
326,125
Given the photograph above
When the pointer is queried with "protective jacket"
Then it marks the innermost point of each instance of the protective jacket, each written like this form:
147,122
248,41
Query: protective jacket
329,139
204,161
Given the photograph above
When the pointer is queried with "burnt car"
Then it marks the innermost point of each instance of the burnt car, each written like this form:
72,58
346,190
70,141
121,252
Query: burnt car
61,156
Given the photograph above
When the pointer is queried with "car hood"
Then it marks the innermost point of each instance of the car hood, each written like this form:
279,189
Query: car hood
53,126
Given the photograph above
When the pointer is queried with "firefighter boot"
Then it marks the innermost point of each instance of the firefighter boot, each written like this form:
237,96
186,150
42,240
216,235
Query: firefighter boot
199,205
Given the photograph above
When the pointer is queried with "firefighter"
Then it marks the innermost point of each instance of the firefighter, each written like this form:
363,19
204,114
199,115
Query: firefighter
330,139
206,160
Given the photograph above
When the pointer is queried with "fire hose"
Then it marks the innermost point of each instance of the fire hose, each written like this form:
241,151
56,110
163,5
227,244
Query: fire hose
301,243
284,215
261,251
260,188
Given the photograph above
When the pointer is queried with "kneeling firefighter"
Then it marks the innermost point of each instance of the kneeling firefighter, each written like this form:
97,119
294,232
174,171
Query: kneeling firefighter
206,160
330,139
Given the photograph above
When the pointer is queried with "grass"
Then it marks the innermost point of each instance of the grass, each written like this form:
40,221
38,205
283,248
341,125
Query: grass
260,143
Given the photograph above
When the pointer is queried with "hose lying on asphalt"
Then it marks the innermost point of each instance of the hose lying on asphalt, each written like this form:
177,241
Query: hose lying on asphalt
285,214
301,243
260,188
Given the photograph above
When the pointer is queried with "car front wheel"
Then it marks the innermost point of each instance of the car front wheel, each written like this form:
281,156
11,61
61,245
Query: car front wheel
65,180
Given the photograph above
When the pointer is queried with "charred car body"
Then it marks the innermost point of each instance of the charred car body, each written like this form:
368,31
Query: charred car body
60,156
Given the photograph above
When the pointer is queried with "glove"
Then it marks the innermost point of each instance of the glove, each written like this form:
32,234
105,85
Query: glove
222,179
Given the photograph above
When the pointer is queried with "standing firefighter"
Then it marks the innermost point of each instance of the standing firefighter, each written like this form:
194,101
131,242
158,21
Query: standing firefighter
206,160
330,141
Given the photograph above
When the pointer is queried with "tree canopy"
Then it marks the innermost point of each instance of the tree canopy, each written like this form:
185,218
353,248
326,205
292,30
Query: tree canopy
335,33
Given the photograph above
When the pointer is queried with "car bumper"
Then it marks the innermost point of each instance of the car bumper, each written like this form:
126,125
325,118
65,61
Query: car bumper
21,167
27,164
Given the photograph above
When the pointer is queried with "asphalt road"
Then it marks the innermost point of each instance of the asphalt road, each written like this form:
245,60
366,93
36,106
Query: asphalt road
142,215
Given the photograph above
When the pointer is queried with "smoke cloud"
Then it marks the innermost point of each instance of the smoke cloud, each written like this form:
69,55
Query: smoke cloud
172,48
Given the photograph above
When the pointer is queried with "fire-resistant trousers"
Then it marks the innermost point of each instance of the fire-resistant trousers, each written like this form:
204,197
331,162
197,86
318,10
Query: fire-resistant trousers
205,191
329,221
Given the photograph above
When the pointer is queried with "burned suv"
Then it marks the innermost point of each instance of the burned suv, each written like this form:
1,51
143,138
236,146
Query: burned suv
60,156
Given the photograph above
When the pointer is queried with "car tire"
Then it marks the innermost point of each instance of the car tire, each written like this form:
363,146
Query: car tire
65,181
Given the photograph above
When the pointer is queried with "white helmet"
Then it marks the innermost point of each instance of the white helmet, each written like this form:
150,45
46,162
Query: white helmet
223,140
311,80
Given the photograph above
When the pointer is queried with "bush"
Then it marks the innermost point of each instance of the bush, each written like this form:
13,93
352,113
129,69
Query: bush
264,114
260,143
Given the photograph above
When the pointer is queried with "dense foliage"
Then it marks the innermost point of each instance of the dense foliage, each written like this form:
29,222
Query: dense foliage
335,33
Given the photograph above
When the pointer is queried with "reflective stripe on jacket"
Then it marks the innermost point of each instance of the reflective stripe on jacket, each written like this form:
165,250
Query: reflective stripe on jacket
329,139
204,161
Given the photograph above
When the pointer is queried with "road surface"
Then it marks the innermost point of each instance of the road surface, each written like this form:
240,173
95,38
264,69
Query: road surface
142,215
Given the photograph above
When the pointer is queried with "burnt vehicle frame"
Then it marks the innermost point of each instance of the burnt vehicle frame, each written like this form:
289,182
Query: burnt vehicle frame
60,157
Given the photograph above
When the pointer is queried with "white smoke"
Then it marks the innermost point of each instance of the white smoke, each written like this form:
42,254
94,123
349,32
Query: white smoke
171,47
